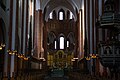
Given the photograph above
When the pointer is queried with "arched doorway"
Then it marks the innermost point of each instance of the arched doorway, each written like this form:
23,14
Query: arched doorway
2,42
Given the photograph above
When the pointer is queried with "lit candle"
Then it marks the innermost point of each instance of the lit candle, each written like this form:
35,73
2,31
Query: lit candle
0,47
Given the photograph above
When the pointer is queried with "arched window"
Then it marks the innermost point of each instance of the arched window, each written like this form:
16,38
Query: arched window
61,42
67,43
55,45
60,15
51,15
71,15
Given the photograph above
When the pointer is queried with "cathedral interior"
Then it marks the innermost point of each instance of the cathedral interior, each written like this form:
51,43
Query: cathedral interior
59,39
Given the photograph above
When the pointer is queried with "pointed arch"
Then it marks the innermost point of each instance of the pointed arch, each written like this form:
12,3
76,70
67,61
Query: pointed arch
51,37
71,37
61,14
61,39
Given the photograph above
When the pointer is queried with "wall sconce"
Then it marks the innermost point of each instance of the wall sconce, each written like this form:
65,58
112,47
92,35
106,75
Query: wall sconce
75,58
1,46
94,56
87,58
19,55
16,54
48,44
43,59
9,52
12,52
25,58
22,56
72,60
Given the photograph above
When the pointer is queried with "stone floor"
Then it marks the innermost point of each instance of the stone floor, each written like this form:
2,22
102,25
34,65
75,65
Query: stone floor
70,75
56,78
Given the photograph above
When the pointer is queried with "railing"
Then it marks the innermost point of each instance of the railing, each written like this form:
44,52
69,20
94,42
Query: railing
109,19
109,53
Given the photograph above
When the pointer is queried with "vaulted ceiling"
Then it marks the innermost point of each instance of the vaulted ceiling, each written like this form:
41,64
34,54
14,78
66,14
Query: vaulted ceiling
50,5
65,3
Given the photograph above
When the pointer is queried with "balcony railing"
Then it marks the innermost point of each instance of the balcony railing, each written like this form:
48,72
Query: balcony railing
109,53
110,19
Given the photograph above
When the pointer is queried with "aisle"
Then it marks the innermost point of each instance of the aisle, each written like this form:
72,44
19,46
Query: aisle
56,78
56,74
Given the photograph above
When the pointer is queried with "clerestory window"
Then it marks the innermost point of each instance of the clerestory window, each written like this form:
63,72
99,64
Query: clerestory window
60,15
61,42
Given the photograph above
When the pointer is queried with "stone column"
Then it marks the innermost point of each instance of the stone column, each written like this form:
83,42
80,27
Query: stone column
13,38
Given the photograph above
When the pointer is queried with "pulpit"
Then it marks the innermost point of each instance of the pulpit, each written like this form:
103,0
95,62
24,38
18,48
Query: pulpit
109,48
109,53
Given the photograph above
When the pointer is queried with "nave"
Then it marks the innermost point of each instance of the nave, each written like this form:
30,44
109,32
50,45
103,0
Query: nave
59,39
